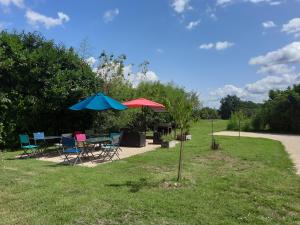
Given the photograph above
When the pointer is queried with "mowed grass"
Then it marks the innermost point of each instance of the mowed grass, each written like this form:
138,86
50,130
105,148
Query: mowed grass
249,181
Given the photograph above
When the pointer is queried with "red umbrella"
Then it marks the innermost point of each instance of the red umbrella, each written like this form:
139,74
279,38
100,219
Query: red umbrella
142,102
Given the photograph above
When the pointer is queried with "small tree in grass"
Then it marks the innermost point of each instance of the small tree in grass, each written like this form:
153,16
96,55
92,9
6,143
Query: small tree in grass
180,106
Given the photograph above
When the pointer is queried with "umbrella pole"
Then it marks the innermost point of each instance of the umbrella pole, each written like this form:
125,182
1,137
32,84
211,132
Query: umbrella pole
145,120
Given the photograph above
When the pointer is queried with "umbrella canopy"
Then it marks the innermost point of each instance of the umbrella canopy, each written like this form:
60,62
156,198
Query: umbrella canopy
98,102
142,102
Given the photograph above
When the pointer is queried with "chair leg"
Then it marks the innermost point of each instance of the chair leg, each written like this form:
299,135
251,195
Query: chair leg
77,158
66,159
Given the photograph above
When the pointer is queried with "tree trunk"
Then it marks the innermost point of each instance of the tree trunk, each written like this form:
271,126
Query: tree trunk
180,157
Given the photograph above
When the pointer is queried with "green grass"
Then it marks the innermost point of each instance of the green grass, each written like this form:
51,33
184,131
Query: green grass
250,181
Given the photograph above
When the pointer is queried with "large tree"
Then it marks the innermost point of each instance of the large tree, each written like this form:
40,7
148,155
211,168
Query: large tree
39,80
229,105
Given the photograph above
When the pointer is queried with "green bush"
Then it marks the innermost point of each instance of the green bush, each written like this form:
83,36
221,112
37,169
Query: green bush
239,119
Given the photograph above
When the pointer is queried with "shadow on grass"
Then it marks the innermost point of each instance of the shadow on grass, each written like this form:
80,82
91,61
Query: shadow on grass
135,186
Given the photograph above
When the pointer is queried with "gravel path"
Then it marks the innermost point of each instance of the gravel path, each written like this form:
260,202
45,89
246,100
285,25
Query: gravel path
290,142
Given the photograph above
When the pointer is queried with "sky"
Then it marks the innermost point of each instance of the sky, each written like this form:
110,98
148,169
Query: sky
212,47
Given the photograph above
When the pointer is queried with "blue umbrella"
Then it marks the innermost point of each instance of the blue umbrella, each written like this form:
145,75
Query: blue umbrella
98,102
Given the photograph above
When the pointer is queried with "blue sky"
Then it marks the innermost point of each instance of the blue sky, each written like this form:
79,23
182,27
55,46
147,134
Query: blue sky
210,47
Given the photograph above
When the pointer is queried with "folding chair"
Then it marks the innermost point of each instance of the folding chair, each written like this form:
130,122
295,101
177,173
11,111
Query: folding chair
111,150
67,135
39,140
69,148
89,133
26,146
81,138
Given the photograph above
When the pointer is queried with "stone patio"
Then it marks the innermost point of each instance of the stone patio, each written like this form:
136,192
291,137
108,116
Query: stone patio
125,153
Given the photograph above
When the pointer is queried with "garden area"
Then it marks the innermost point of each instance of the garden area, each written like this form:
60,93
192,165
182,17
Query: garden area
165,166
246,182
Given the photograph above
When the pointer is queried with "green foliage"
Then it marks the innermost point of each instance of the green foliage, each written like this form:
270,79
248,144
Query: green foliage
167,138
281,113
39,81
231,104
206,113
239,120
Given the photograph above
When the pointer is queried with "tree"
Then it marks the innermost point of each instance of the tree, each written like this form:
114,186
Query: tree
229,105
110,70
281,112
206,113
38,81
180,107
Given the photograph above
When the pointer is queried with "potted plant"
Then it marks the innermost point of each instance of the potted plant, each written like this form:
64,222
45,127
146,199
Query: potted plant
167,141
188,135
185,136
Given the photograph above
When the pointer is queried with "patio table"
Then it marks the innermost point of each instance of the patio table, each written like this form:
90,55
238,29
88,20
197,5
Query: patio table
98,140
48,141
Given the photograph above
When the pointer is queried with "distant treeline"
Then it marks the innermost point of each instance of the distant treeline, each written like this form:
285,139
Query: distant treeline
280,113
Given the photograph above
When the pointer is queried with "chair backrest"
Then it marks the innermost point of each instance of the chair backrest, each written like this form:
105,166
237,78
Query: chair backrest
24,139
111,135
39,136
116,138
68,142
66,135
80,137
89,132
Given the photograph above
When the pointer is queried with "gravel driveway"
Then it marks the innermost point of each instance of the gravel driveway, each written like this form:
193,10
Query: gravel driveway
290,142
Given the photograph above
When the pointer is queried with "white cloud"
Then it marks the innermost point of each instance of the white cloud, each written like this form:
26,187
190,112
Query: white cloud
17,3
292,27
91,61
256,91
272,82
159,50
269,2
36,19
181,5
276,69
136,78
228,89
287,55
110,15
278,66
221,45
207,46
4,25
224,2
268,24
192,24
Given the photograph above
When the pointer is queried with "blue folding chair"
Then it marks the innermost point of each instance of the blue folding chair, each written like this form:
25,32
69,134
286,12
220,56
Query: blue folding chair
69,148
39,140
113,149
26,146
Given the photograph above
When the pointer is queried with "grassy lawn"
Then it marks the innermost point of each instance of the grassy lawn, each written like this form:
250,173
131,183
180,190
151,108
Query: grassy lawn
250,181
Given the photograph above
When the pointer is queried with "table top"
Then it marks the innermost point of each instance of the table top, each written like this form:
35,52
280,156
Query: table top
52,137
98,140
47,138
